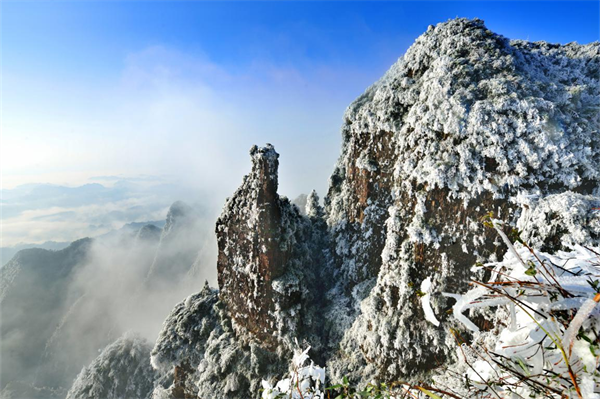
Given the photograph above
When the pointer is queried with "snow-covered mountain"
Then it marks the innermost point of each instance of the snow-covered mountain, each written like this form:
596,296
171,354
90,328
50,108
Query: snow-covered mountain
467,126
466,123
122,370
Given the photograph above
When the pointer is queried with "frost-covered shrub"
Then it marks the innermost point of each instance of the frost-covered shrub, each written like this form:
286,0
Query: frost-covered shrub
544,340
540,338
306,381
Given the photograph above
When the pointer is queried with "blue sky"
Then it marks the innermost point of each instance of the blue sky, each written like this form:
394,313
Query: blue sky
183,89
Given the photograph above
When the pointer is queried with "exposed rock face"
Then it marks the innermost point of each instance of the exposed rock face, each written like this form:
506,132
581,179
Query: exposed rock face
466,123
121,371
463,122
266,265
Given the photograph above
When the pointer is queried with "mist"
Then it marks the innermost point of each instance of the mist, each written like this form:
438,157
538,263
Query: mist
74,302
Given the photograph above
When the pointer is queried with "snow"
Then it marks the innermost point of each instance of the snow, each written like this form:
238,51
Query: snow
538,342
122,370
306,380
546,217
429,315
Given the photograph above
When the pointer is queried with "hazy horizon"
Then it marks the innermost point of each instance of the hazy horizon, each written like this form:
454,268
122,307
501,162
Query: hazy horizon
180,92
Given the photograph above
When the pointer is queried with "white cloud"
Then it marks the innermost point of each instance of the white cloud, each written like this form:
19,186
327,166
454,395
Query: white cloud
173,112
170,113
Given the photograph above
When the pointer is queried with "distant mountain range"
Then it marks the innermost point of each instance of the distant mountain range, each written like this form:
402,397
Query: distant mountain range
36,213
7,253
60,306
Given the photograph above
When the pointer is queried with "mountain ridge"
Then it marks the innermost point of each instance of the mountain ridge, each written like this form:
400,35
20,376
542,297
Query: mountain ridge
463,122
467,127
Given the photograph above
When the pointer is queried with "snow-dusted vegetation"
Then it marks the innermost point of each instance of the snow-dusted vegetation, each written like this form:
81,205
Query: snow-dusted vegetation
121,371
541,332
405,283
306,380
539,338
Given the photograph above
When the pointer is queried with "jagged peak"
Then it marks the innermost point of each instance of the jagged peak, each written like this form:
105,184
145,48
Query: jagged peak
259,187
265,163
267,152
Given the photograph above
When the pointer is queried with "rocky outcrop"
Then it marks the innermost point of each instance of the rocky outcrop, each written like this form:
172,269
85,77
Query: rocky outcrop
121,371
464,122
222,343
267,261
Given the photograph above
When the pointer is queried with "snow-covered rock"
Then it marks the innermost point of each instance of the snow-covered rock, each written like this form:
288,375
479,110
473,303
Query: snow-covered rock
462,124
467,126
198,354
122,371
268,262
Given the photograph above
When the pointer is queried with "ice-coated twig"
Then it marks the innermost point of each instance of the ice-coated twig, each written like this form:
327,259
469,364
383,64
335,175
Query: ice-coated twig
497,223
586,309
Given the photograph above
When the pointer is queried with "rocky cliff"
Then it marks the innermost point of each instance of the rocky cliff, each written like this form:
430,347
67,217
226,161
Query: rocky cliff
268,263
270,291
466,124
